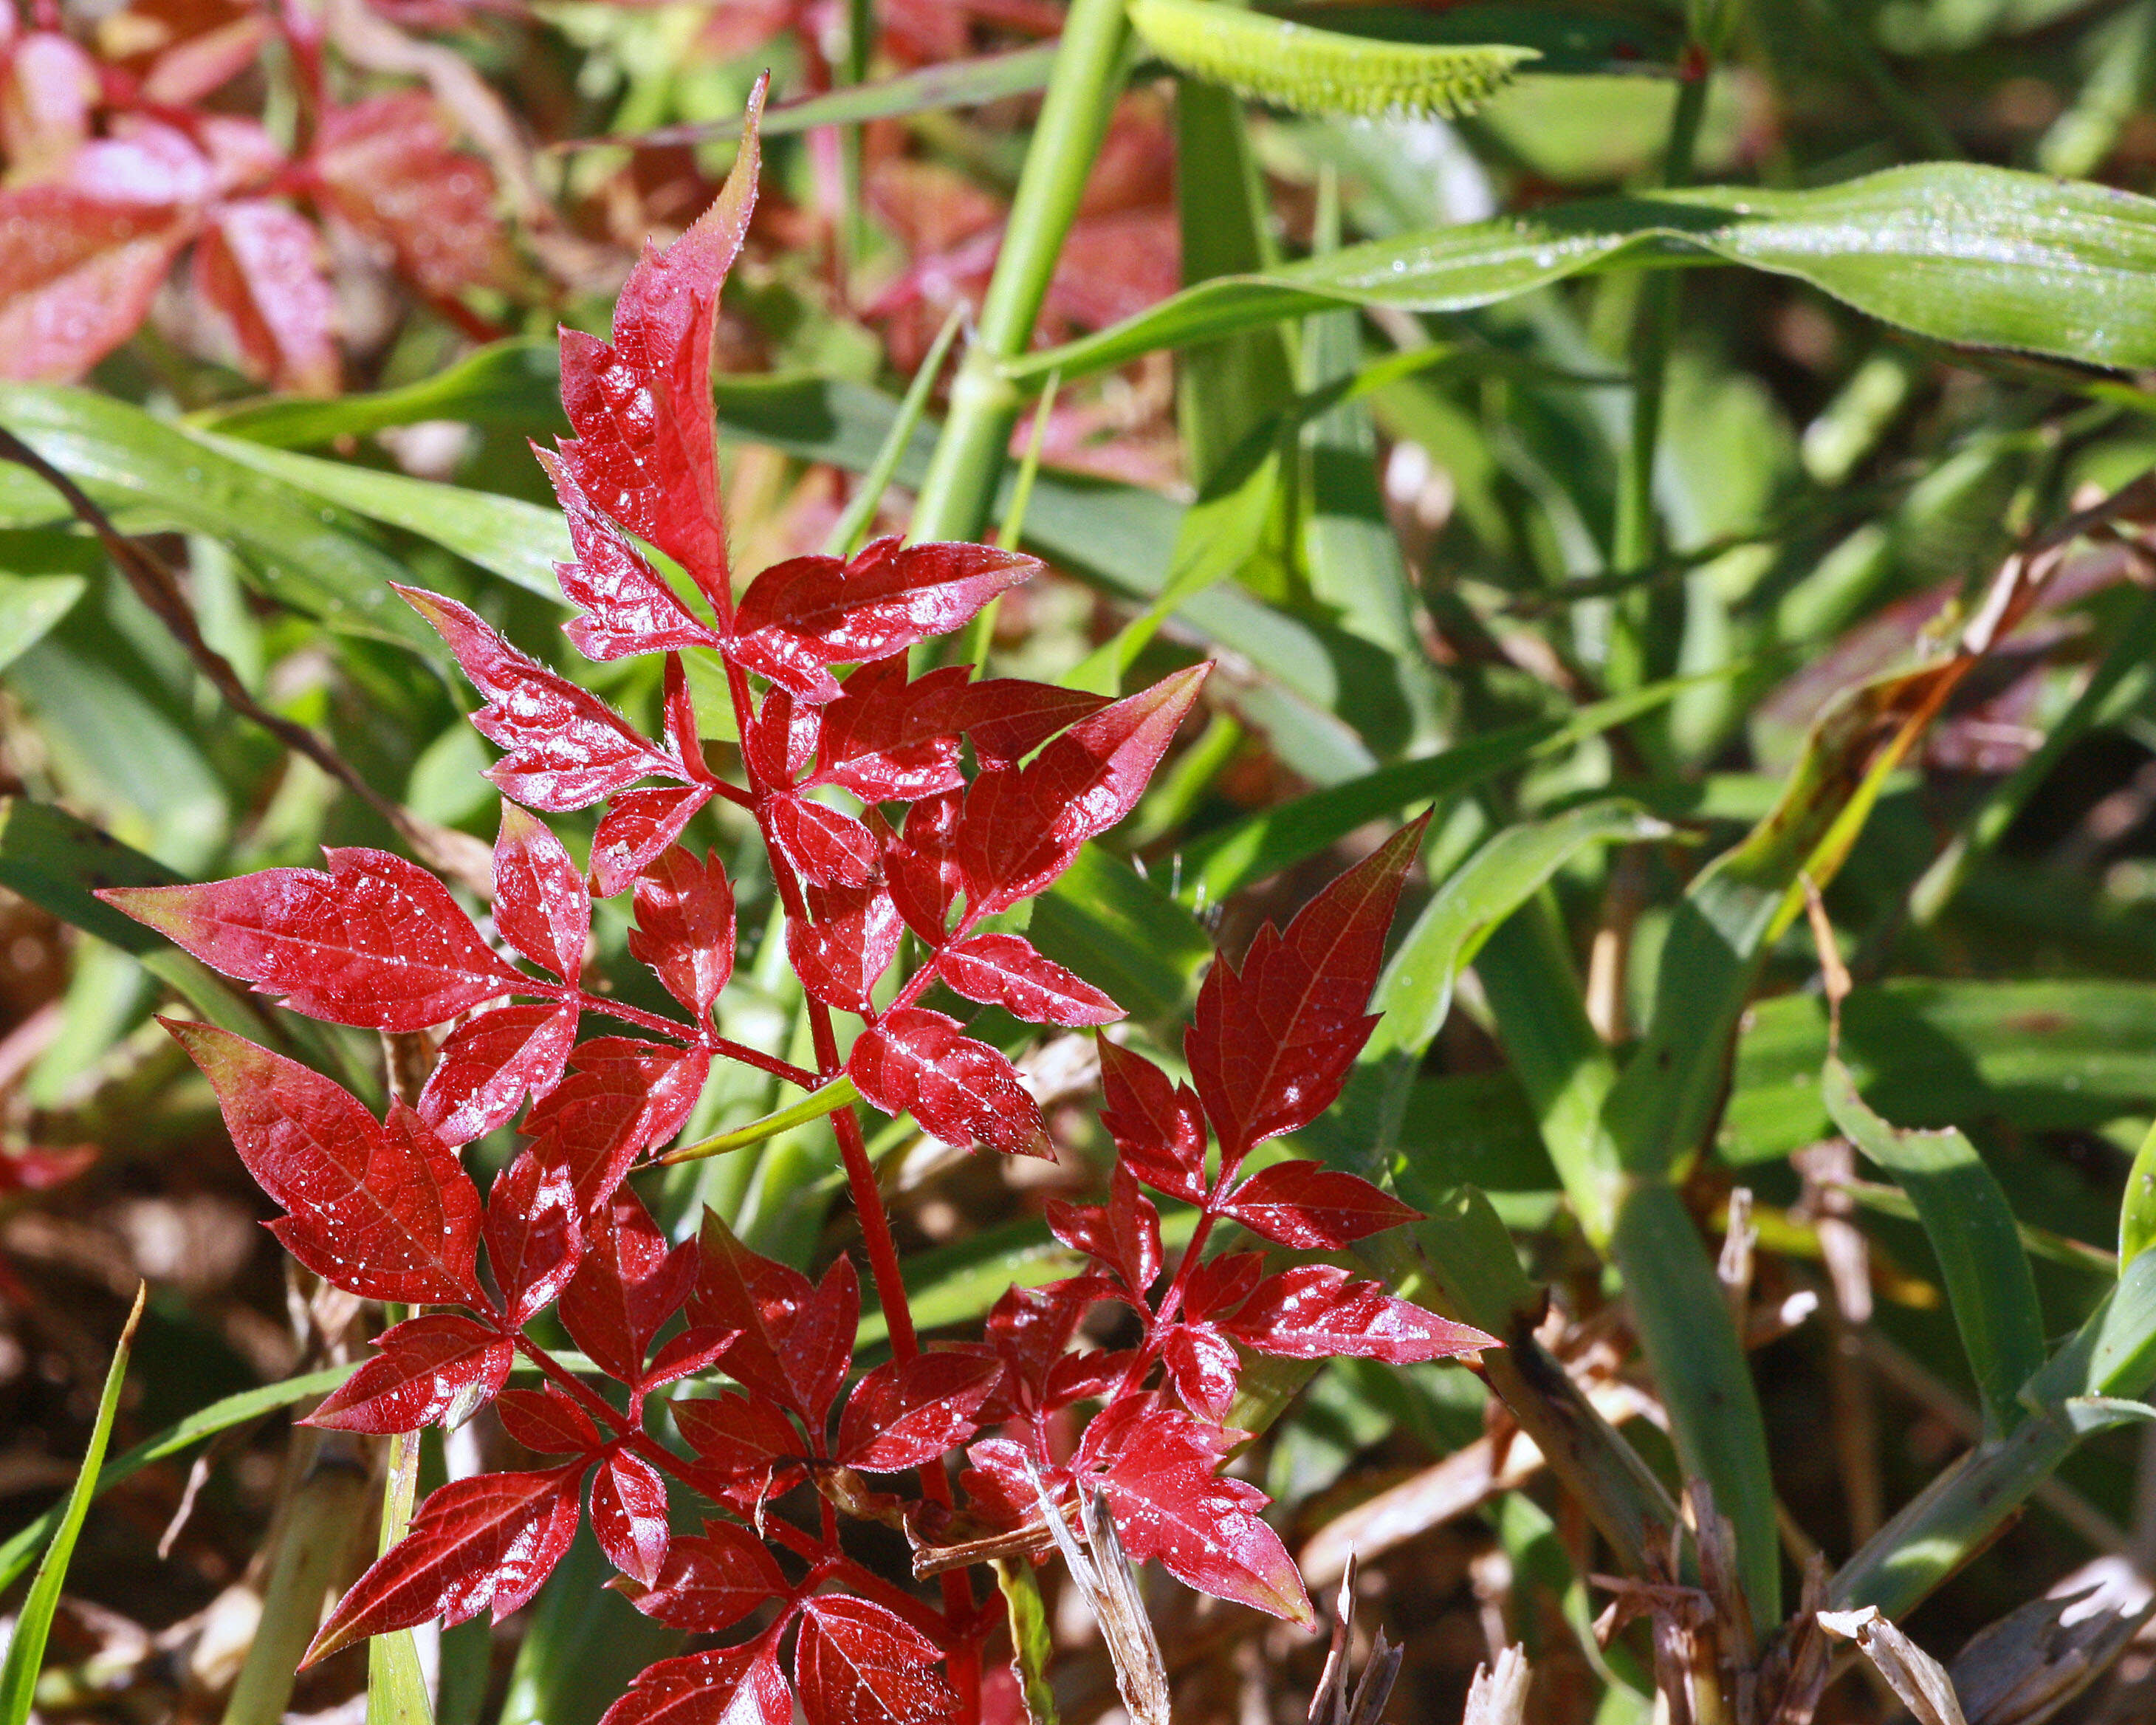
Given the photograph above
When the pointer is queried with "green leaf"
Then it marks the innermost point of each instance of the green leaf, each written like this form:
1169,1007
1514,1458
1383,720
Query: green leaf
515,385
30,605
1313,71
1974,255
33,1622
1971,1228
1033,1641
2137,1211
396,1686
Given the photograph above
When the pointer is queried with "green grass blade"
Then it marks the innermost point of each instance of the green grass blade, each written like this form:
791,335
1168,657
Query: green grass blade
1033,1641
2137,1212
851,528
396,1686
515,385
29,606
33,1622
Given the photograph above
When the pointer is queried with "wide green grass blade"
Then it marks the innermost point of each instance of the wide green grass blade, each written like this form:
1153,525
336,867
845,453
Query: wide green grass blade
1971,1228
515,385
29,606
396,1686
1974,255
34,1622
2137,1211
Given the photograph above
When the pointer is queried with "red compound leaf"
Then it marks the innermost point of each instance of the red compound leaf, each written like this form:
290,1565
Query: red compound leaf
887,740
709,1581
548,1422
857,1664
961,1092
842,951
745,1441
628,607
629,1515
1004,970
1030,1329
1203,1367
1159,1127
920,865
637,826
381,1210
376,941
488,1541
795,1341
429,1368
387,167
1123,1234
1221,1284
1270,1045
735,1686
782,738
534,1234
1008,718
1301,1203
627,1285
693,1350
1319,1312
803,616
566,748
685,927
906,1414
998,1488
540,904
489,1063
830,849
621,1098
1024,824
259,263
1170,1504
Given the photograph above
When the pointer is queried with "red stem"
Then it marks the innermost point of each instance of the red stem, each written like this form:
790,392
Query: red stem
725,1046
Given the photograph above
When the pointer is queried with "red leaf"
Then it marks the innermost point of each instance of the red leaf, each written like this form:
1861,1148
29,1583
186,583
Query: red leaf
857,1664
1004,970
887,740
1123,1234
259,263
637,826
1008,718
828,848
1203,1365
105,238
1221,1284
842,954
1271,1045
710,1581
376,941
382,1211
1170,1504
746,1441
628,607
629,1515
1031,1328
795,1341
1024,824
734,1686
997,1487
961,1092
625,1288
1159,1127
642,404
801,616
693,1350
566,748
1318,1312
1301,1203
547,1420
685,927
491,1540
620,1098
921,868
427,1366
386,165
488,1065
906,1413
540,904
534,1234
780,738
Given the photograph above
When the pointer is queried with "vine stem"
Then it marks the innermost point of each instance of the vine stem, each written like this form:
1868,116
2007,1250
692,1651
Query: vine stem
799,1076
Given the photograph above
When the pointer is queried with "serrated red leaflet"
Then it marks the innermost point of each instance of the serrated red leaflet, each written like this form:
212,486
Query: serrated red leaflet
906,1414
427,1366
641,404
1004,970
534,1234
376,941
921,866
1088,1375
1031,1329
1024,824
1008,718
752,1447
998,1488
1319,1312
859,1664
1301,1203
735,1686
887,740
381,1209
626,605
795,1341
488,1064
803,616
629,1515
829,848
487,1541
780,738
842,953
539,903
566,747
693,1350
1221,1284
1123,1234
1203,1365
386,165
259,263
627,1285
546,1420
1159,1128
710,1581
678,712
1270,1045
637,826
621,1098
685,927
961,1092
1170,1504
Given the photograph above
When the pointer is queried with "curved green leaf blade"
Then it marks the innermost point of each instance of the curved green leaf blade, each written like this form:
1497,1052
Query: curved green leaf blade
29,606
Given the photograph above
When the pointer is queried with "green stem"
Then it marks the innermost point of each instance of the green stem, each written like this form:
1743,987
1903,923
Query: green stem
961,482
